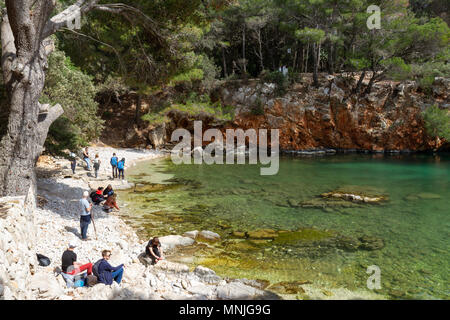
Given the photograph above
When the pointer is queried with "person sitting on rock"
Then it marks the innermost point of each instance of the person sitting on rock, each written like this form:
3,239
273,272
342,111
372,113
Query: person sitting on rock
108,191
97,196
70,265
154,250
107,273
110,203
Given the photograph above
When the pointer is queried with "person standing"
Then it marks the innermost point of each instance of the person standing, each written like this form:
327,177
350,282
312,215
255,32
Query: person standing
86,159
107,273
69,264
85,216
73,162
114,161
121,167
96,164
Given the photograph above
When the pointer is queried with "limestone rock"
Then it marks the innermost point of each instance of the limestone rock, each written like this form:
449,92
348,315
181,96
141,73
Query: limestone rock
191,234
171,241
208,235
207,275
237,291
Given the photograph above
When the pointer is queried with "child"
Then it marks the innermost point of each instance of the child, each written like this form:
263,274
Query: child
73,162
96,164
121,167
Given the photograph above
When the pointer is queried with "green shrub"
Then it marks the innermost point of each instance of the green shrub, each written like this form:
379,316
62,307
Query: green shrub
257,108
279,80
75,92
437,122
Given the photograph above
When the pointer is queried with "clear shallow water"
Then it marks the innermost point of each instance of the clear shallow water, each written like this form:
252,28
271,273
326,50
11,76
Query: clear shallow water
414,223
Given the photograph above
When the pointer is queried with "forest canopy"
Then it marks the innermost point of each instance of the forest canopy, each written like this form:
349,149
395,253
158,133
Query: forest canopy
165,43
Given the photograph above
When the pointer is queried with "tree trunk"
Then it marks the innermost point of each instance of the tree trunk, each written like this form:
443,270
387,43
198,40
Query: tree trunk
25,29
316,66
225,73
306,58
243,50
28,120
261,60
360,81
138,108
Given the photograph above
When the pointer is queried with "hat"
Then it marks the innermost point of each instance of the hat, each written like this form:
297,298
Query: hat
72,245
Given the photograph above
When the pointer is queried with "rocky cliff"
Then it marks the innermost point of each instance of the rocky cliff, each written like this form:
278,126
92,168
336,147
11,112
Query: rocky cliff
331,116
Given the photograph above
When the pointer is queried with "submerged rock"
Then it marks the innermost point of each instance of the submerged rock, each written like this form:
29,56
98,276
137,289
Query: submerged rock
208,235
262,234
371,243
289,287
422,196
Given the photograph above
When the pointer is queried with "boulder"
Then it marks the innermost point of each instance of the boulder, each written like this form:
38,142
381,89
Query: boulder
172,267
199,288
157,136
208,235
47,286
207,275
172,241
191,234
237,291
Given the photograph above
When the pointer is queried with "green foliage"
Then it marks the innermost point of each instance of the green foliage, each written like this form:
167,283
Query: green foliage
437,122
74,91
257,108
194,106
310,35
279,80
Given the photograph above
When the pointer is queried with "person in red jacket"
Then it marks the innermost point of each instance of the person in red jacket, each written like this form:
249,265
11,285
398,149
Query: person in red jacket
70,265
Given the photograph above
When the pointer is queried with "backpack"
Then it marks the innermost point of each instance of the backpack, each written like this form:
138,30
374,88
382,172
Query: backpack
114,161
95,268
120,165
43,260
91,280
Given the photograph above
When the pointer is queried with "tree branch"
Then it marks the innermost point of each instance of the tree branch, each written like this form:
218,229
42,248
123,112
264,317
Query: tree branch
8,47
46,118
121,65
60,20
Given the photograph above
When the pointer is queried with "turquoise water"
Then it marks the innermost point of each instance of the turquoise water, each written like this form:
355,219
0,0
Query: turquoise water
413,223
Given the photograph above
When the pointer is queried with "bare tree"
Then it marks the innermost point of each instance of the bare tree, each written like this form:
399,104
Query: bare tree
26,28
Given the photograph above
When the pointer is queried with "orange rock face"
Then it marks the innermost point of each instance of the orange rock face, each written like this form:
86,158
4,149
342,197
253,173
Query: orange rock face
389,118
